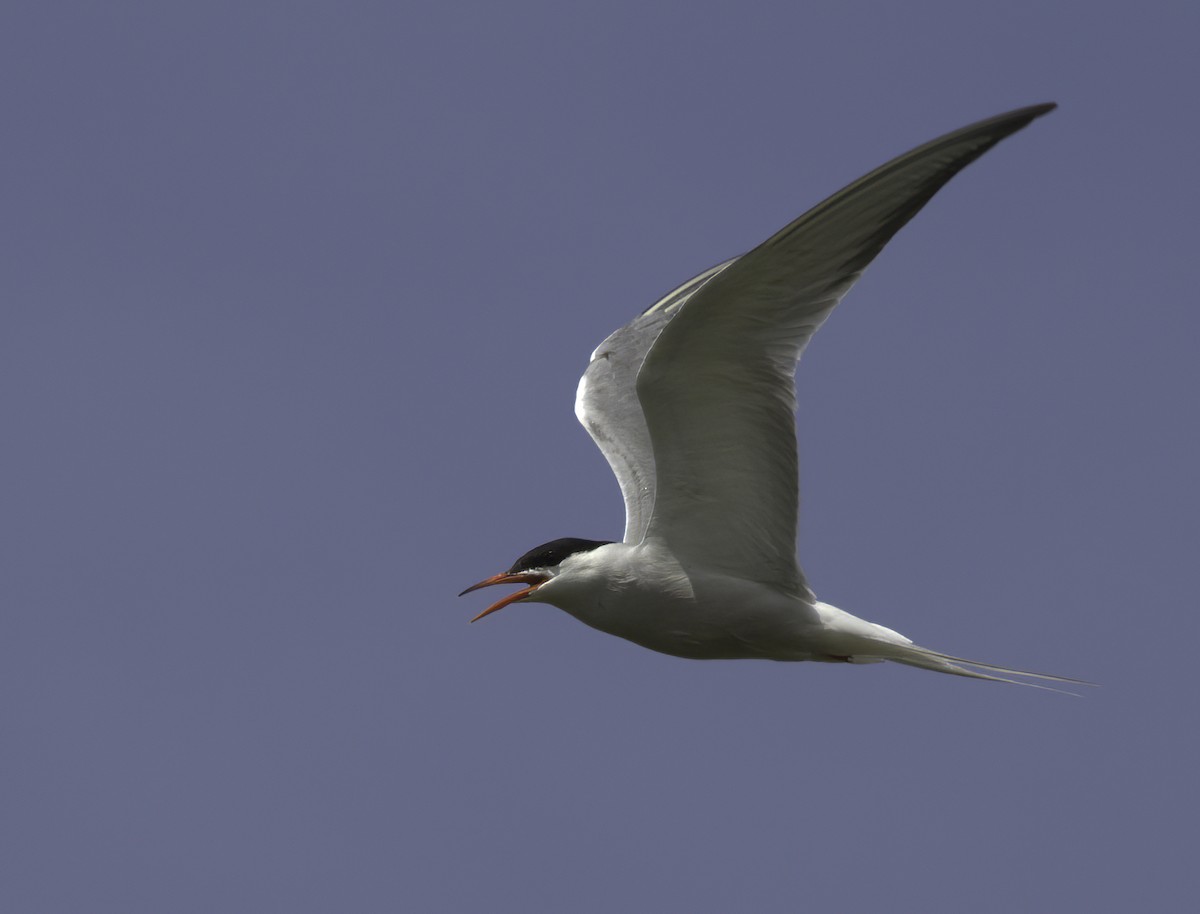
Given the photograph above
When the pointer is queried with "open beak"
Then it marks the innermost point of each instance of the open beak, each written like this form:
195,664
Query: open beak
533,580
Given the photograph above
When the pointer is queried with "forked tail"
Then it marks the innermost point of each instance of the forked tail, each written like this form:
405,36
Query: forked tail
913,655
861,641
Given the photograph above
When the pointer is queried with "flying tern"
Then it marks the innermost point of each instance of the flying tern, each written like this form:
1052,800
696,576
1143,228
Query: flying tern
692,404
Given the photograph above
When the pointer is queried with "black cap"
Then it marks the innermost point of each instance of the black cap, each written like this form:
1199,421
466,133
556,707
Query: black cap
550,554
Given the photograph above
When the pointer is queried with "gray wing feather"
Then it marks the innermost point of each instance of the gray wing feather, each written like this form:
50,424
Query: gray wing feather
607,405
717,386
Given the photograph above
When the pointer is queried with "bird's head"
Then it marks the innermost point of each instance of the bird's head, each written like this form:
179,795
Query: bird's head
535,568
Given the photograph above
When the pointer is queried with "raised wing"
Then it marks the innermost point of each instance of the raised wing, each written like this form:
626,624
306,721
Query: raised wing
717,387
606,403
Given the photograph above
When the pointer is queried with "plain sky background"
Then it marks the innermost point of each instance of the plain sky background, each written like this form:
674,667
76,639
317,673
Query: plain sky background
294,300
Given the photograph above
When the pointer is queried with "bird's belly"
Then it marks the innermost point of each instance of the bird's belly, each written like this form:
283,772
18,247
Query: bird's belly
713,622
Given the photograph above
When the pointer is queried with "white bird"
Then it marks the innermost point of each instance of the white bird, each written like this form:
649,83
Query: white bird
692,404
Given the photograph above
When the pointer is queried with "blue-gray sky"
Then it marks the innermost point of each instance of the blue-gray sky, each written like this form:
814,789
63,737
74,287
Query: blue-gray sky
295,297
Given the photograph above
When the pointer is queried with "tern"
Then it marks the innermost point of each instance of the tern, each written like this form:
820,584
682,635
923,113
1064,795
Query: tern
693,406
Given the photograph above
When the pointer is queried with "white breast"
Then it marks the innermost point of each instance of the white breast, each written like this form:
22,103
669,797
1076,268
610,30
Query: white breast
643,594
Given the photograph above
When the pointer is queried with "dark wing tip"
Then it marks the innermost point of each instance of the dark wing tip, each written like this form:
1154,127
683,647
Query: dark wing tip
906,183
1009,122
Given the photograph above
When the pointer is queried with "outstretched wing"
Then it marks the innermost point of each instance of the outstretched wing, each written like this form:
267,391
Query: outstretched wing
606,403
717,386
